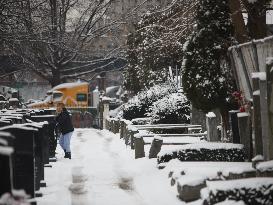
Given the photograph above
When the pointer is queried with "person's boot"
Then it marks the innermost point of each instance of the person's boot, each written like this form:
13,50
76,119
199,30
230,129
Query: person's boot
67,155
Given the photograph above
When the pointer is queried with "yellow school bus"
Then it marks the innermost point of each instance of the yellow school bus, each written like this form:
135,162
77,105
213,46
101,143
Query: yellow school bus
71,94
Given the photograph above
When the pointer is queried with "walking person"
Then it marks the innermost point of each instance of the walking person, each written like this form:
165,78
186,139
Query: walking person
66,128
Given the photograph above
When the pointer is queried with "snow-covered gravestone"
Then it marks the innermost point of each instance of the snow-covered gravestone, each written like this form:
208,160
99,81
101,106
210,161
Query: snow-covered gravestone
257,116
235,137
96,97
155,147
139,147
266,129
245,132
14,103
5,165
198,117
269,74
105,102
211,124
24,172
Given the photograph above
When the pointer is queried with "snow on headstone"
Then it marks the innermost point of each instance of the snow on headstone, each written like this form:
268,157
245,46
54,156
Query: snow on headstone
210,115
257,92
258,158
252,1
259,75
265,166
242,114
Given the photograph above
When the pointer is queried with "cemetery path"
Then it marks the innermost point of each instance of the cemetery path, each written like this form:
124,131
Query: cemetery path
111,175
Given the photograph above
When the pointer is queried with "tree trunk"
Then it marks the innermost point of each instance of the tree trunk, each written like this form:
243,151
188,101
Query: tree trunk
225,121
56,78
256,18
241,34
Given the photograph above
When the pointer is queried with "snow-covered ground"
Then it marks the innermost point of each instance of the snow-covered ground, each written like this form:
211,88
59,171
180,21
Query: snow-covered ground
112,175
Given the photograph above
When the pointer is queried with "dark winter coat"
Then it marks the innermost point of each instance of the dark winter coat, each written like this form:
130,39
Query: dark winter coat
64,122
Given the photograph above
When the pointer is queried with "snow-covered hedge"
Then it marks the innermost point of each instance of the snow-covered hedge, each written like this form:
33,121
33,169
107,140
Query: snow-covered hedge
134,109
173,108
139,106
205,152
141,121
258,191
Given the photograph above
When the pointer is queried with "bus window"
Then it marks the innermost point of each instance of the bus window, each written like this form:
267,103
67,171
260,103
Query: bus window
81,97
57,96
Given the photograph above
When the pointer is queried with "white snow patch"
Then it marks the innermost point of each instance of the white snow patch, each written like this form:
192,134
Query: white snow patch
19,126
258,158
210,115
5,134
239,183
242,114
260,75
68,85
257,92
6,150
3,142
265,166
13,100
106,99
269,60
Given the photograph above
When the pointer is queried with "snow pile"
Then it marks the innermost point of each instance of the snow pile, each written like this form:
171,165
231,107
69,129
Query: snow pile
265,166
17,197
257,158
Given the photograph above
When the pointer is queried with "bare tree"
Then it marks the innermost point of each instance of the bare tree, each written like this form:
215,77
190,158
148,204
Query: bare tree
240,29
256,27
256,21
57,36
